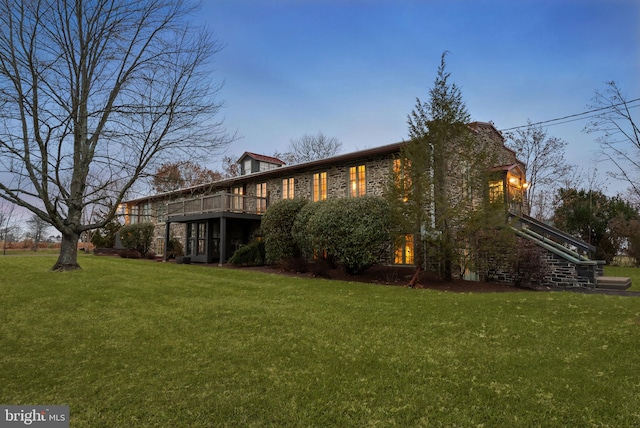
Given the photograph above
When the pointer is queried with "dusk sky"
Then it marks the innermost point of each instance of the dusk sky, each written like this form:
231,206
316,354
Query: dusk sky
353,68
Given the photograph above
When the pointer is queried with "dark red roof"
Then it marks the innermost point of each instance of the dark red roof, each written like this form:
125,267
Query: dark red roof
264,158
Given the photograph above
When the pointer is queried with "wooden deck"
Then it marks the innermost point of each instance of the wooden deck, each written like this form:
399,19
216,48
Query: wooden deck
219,202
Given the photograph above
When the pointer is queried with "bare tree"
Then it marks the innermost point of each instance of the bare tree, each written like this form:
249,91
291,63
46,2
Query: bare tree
93,95
309,148
617,124
544,157
36,230
177,175
230,168
8,223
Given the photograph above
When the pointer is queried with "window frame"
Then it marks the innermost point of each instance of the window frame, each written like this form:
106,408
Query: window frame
288,188
319,186
261,192
357,180
404,250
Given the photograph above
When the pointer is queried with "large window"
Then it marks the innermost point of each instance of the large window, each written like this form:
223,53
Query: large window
402,178
357,181
237,199
161,212
404,251
288,188
146,212
261,195
319,186
496,191
133,214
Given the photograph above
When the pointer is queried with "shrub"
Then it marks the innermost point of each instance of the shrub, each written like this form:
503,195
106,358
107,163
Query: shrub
339,227
105,237
174,248
130,254
301,232
252,254
503,256
137,236
528,265
276,227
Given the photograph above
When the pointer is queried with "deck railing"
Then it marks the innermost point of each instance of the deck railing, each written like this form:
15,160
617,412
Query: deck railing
219,202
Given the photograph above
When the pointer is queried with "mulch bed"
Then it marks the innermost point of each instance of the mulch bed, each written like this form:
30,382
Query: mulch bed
400,276
393,276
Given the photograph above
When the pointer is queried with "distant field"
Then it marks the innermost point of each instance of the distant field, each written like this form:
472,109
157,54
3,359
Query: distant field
129,343
28,252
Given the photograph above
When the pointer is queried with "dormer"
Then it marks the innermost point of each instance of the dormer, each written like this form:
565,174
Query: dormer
253,162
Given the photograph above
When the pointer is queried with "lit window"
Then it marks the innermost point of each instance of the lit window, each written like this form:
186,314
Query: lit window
319,186
320,255
403,252
237,199
357,181
402,178
496,191
261,195
288,188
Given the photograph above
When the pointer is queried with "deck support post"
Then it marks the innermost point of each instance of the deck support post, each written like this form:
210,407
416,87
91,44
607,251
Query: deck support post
167,233
223,240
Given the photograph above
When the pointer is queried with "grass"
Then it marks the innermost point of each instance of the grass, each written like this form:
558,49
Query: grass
135,343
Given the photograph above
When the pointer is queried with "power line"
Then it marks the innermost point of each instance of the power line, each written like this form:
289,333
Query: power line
575,116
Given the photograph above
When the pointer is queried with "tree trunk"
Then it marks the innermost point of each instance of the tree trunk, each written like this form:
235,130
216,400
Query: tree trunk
68,259
415,278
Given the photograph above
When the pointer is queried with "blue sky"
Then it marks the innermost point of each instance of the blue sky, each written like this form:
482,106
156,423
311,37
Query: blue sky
353,68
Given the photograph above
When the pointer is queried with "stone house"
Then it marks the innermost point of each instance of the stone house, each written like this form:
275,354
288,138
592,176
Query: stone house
215,219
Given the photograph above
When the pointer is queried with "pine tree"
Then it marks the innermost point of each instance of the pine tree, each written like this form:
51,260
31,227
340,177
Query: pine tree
439,173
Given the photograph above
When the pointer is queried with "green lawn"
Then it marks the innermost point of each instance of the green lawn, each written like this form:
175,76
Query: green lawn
128,343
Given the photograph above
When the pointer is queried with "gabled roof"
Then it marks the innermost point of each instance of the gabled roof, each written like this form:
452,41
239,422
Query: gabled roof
314,165
263,158
475,126
510,167
282,171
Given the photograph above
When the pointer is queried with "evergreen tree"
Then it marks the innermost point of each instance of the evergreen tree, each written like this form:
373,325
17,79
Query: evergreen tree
439,173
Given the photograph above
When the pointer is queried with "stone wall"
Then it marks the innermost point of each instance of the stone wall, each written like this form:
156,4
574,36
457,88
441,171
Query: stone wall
377,172
563,273
378,164
558,272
